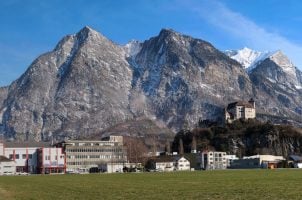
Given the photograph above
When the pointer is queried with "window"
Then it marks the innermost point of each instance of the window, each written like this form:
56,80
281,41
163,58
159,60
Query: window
17,156
47,157
11,156
30,156
23,156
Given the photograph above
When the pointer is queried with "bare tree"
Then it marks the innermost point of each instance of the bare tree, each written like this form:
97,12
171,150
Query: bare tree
168,148
136,150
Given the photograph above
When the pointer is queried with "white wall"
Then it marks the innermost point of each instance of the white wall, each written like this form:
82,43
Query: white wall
53,157
23,155
183,164
7,167
165,166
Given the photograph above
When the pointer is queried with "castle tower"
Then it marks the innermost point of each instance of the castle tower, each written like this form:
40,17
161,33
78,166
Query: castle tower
251,101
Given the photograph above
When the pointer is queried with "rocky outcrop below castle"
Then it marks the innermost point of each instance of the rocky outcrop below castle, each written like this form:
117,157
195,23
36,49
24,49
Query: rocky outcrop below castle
243,138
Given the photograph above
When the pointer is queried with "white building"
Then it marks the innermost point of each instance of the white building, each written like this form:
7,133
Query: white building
182,164
25,158
51,160
7,166
170,163
213,160
25,155
240,110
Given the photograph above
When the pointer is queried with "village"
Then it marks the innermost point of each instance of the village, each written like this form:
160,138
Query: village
109,155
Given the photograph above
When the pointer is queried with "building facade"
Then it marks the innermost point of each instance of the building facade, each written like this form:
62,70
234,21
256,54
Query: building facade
51,160
83,155
182,164
213,160
25,158
170,163
240,110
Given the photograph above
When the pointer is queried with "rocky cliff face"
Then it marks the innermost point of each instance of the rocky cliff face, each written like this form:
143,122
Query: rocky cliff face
185,79
81,87
88,84
280,80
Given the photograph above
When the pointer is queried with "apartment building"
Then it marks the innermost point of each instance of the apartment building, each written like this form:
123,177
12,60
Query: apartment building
213,160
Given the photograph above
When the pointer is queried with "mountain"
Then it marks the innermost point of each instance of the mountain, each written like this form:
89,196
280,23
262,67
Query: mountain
184,79
277,77
80,87
88,84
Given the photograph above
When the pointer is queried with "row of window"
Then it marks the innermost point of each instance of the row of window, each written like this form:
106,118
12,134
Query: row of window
93,156
85,163
20,156
47,157
95,150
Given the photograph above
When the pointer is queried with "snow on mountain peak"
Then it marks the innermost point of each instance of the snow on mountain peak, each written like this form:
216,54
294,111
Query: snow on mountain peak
247,57
132,48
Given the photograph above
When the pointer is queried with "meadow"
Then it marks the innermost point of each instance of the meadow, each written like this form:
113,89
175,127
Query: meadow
224,184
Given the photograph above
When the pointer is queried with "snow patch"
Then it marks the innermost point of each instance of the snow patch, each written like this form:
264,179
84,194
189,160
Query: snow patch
132,48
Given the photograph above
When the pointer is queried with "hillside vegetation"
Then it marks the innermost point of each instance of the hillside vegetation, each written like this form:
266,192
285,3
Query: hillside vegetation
243,138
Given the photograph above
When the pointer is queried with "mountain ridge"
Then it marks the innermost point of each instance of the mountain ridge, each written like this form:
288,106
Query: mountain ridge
87,84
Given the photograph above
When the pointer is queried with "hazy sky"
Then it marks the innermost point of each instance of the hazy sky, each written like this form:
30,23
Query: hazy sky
32,27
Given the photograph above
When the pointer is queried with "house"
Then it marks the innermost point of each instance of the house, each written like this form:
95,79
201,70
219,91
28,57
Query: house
296,161
51,160
169,163
81,155
240,110
182,164
257,161
7,166
213,160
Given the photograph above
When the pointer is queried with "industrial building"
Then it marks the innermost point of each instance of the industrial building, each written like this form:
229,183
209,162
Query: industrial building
257,161
81,155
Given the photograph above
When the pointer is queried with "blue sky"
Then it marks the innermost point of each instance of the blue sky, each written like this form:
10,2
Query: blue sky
30,28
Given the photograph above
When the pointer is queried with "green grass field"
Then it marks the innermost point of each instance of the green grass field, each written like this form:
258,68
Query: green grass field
227,184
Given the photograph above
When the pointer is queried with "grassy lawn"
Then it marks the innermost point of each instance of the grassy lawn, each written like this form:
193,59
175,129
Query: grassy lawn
227,184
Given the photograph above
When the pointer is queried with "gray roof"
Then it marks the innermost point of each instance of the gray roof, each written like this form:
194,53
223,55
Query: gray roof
26,144
295,157
4,159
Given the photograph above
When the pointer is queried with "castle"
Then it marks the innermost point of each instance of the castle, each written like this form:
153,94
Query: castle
240,110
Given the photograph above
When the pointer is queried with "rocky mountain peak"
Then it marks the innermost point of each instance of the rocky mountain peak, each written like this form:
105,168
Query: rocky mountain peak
283,61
